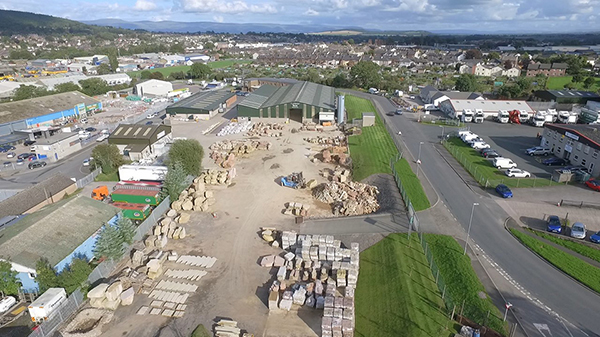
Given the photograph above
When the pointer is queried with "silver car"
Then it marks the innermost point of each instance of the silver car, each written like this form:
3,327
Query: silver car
578,230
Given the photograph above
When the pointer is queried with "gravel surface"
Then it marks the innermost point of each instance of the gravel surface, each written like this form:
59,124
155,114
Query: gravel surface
389,197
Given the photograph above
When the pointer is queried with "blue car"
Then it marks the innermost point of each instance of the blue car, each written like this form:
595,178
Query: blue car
504,191
553,225
595,238
554,162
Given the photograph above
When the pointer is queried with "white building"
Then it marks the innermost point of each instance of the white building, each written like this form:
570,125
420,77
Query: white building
487,71
52,82
115,79
8,88
455,107
512,72
173,59
91,60
153,88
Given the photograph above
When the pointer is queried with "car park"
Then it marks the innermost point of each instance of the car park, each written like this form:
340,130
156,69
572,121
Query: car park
554,161
504,191
517,173
553,224
36,164
10,155
595,238
593,184
578,230
538,151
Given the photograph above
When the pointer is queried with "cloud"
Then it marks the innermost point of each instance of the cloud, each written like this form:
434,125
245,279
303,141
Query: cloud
218,18
311,12
144,5
217,6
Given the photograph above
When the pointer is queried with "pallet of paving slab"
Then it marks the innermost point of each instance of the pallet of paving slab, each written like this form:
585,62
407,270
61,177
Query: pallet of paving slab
198,261
188,274
168,296
176,286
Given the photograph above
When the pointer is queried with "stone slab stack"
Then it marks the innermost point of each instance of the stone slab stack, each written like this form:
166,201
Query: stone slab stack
348,198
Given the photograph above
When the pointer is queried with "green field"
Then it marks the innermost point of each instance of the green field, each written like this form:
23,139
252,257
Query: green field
227,63
577,247
558,83
412,185
166,71
571,265
484,172
396,293
462,283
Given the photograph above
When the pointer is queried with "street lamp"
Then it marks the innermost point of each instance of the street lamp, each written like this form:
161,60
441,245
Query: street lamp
469,230
441,126
419,158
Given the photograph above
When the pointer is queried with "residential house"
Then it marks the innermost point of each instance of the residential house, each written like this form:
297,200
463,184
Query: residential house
550,70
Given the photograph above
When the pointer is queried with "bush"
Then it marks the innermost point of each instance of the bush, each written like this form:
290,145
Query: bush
189,153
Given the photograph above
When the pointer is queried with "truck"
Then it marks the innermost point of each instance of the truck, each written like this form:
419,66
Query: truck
467,116
567,117
539,119
479,116
553,116
137,212
100,193
44,305
140,172
430,107
136,196
524,116
502,117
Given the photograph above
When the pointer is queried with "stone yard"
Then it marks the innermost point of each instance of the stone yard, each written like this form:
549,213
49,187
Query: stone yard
236,287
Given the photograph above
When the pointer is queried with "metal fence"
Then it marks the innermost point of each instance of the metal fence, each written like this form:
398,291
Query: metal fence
484,180
413,219
88,179
61,314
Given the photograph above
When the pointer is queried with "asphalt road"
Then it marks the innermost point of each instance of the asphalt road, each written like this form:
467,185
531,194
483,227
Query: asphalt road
547,302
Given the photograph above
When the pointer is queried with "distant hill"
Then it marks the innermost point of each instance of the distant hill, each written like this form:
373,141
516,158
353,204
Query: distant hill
14,22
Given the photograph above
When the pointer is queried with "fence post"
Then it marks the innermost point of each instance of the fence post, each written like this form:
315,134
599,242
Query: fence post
444,293
437,275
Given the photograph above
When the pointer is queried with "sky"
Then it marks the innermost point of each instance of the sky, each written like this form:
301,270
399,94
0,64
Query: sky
486,16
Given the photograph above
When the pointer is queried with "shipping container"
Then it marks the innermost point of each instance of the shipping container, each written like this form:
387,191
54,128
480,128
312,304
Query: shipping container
136,196
133,211
41,308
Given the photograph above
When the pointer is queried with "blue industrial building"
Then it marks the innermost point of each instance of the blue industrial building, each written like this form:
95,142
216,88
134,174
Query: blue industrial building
59,233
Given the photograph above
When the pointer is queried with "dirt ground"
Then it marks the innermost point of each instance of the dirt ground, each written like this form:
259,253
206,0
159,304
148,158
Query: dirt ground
236,286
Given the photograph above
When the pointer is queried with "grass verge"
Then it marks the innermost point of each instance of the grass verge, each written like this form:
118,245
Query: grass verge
396,293
558,83
200,331
577,247
462,283
372,150
572,266
108,177
484,172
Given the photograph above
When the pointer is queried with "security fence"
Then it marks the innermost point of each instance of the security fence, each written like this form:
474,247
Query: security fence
88,179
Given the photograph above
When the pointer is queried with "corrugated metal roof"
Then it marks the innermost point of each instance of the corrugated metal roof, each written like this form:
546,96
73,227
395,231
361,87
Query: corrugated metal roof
489,105
134,131
39,106
208,101
301,92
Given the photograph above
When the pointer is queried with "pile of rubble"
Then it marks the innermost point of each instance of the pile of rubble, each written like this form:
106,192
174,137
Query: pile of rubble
224,152
110,296
310,126
88,323
348,198
337,175
329,141
266,130
216,177
296,208
336,155
229,328
316,272
195,198
235,127
168,226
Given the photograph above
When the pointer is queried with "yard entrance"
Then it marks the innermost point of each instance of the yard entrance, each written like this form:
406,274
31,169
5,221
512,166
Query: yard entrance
296,115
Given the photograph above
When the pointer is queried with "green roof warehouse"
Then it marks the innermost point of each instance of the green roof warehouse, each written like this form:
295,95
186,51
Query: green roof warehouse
203,105
300,101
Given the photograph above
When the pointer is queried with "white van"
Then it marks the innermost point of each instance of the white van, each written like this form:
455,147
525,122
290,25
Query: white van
469,136
7,303
503,163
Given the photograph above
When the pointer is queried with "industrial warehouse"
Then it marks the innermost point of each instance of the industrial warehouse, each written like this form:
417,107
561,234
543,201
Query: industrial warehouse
299,102
203,105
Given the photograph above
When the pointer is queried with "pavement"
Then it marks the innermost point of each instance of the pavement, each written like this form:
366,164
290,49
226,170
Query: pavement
541,307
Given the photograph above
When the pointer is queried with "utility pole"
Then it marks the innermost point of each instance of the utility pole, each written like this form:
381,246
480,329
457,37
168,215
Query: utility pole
469,230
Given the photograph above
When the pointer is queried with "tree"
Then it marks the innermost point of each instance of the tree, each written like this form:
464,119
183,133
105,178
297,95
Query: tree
145,74
74,275
45,276
29,91
350,42
94,86
109,244
466,82
177,48
177,75
509,91
589,82
365,74
189,153
113,61
126,229
157,75
66,87
200,70
473,54
577,78
569,86
508,64
524,84
17,54
107,156
9,283
103,69
175,181
494,55
340,81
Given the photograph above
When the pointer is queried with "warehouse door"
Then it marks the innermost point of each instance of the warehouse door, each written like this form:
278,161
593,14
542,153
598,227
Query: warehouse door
296,115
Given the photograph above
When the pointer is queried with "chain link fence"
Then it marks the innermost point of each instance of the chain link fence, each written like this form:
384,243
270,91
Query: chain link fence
88,179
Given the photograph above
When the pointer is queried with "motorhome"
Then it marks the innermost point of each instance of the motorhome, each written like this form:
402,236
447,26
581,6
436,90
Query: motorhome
467,116
502,116
479,116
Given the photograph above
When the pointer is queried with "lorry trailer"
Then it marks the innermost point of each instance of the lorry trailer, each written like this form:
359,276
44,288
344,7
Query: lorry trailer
135,196
43,307
133,211
140,172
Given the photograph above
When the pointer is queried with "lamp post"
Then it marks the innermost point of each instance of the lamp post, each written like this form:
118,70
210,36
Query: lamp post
441,126
419,159
469,229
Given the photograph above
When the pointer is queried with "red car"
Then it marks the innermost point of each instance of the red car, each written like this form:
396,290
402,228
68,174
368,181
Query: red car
593,184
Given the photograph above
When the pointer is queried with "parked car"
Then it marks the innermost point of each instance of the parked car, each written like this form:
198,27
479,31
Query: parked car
492,155
90,129
7,164
470,141
29,142
480,145
553,224
24,155
84,135
86,162
578,230
517,173
102,138
390,114
36,164
593,184
538,151
149,123
554,161
399,111
595,238
20,161
10,155
504,191
32,156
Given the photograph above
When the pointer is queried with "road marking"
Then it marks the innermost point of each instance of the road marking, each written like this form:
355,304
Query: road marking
542,327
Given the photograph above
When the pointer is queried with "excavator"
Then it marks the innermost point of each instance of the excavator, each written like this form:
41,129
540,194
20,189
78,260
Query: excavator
513,116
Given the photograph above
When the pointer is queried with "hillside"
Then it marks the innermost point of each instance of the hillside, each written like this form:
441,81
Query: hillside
14,22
